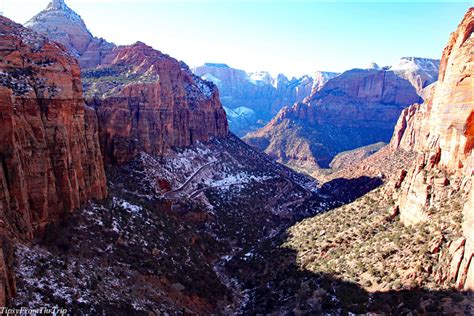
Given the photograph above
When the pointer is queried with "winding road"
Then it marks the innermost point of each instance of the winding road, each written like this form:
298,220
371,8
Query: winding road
185,184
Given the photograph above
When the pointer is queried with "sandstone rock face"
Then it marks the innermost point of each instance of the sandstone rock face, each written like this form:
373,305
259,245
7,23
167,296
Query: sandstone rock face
258,93
145,100
421,72
442,132
409,130
358,108
63,25
49,147
50,152
368,96
51,160
149,102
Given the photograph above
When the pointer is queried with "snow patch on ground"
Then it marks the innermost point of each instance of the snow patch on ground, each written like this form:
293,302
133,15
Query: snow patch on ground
28,272
241,112
125,205
238,178
213,79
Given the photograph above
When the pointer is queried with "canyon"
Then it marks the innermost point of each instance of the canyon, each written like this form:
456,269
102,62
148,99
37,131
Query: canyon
358,108
252,99
54,146
122,190
131,113
414,231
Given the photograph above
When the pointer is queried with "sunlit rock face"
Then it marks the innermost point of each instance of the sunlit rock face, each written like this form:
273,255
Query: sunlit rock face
63,25
358,108
50,151
421,72
49,146
252,99
149,102
441,130
145,100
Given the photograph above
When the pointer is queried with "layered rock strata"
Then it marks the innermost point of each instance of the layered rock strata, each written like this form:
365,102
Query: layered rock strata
50,156
149,102
358,108
441,130
145,100
252,99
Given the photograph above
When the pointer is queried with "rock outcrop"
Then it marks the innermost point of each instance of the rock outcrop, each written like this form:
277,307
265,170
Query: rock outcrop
63,25
358,108
259,95
441,130
51,161
149,102
145,100
50,157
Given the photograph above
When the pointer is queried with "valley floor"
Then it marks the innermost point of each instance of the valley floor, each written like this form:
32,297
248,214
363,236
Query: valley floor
208,230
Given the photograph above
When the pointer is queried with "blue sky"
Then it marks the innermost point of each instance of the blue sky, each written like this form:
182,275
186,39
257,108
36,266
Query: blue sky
292,37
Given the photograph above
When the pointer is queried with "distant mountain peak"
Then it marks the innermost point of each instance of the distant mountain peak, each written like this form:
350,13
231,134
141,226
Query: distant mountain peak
57,5
62,24
373,65
57,11
216,65
415,63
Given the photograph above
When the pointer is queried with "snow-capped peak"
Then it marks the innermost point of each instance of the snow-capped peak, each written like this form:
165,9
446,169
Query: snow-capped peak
261,77
416,63
56,8
373,66
57,5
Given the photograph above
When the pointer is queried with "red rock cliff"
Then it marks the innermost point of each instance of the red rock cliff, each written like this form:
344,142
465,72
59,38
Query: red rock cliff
50,154
358,108
49,149
442,131
148,101
145,100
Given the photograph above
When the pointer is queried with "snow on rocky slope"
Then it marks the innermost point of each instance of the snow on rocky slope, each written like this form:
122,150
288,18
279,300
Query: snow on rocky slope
155,244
